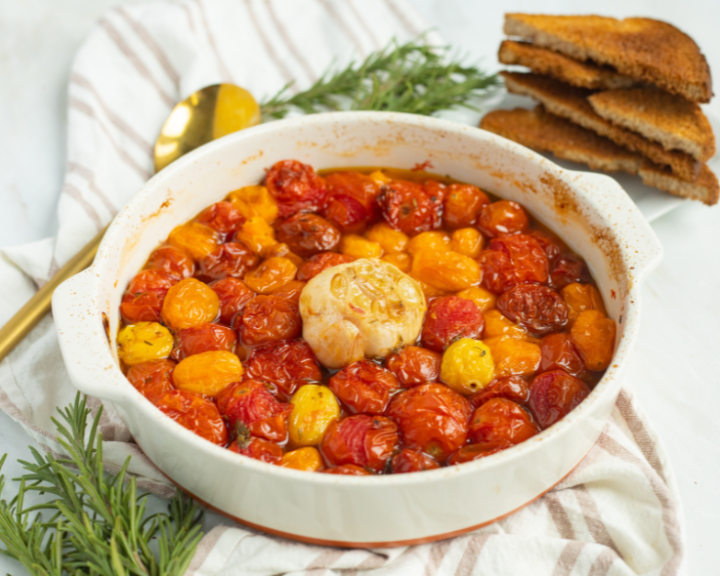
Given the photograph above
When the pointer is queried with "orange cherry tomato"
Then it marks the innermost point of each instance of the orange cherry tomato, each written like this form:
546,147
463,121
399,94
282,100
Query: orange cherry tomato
414,365
144,297
449,318
412,461
347,470
268,319
462,205
513,388
196,414
362,440
258,449
295,187
559,353
172,260
594,336
285,364
364,387
272,274
222,217
501,420
204,338
319,263
152,379
233,295
189,303
554,394
502,217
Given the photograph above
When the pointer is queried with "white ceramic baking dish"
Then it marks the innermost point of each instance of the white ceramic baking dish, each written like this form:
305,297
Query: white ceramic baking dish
590,212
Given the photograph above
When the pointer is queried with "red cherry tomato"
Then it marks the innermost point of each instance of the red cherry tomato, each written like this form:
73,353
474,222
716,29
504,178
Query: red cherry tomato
364,387
196,414
408,460
567,270
432,418
143,299
476,451
152,379
229,260
559,353
308,234
347,470
233,295
285,364
204,338
296,187
501,421
172,260
538,308
449,318
362,440
502,217
268,319
513,388
511,260
319,263
346,213
414,365
222,217
554,394
548,244
408,207
359,187
259,449
250,409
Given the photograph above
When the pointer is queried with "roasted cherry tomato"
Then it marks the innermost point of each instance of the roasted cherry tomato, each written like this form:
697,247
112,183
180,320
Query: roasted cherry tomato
538,308
414,365
432,418
432,241
222,217
501,420
308,234
259,449
268,319
348,470
568,269
467,366
357,186
152,379
196,414
250,409
208,373
502,217
144,341
362,440
511,260
291,290
320,262
476,451
295,187
314,409
513,356
462,205
307,458
408,207
448,271
559,353
554,394
412,461
189,303
233,295
143,299
594,336
255,202
172,260
272,274
549,244
287,364
391,241
257,235
195,238
467,241
450,318
230,260
204,338
581,297
513,388
497,324
357,247
364,387
346,213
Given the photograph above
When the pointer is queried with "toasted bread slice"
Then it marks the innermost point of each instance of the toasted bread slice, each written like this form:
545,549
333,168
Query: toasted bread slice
671,120
572,103
644,49
559,66
546,132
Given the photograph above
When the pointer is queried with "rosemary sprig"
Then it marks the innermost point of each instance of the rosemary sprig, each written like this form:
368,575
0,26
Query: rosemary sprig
410,77
97,523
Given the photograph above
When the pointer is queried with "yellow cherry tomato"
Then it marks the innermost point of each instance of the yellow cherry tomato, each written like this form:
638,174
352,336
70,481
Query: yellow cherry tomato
257,234
435,241
189,303
307,458
359,247
497,324
143,342
467,366
467,241
255,201
315,407
401,260
485,300
195,238
390,239
207,373
446,270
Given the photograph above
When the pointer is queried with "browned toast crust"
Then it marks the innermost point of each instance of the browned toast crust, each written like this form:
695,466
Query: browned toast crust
671,120
544,61
644,49
572,103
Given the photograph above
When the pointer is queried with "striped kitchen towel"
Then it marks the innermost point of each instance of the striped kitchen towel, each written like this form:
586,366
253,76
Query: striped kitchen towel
616,514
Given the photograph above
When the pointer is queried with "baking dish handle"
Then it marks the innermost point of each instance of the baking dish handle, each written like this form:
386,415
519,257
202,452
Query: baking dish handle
84,341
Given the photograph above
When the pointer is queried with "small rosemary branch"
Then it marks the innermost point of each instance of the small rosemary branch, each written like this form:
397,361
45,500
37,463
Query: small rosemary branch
97,523
410,77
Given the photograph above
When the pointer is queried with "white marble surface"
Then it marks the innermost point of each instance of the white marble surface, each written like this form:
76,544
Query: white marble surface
676,366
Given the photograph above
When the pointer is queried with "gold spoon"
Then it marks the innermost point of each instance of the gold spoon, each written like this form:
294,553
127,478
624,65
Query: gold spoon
205,115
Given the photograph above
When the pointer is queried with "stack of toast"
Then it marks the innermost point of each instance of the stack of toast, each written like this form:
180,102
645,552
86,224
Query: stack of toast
615,95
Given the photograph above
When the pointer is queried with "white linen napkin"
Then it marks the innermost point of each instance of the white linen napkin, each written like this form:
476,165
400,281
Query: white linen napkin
616,514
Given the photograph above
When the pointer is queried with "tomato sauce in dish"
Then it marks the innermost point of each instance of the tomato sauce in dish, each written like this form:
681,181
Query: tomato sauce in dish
363,322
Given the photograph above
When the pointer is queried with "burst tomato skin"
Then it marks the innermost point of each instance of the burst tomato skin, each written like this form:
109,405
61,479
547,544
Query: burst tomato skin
408,460
476,452
259,449
513,388
450,318
362,440
358,186
432,418
511,260
537,308
152,379
346,213
347,470
320,262
234,295
414,365
196,414
567,270
308,234
204,338
250,408
144,297
549,246
287,364
554,394
559,353
268,319
408,207
172,260
364,387
501,421
222,217
295,187
229,260
502,217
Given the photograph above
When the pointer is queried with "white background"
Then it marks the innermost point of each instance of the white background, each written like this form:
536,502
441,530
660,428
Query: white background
676,366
